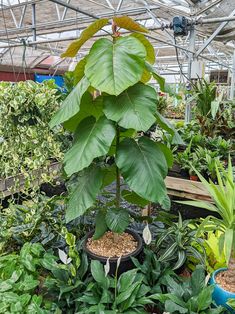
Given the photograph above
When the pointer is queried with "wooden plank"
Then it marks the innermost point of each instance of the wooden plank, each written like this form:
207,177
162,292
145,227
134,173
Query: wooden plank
187,189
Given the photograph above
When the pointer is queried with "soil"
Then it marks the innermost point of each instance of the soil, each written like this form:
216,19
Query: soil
107,246
223,279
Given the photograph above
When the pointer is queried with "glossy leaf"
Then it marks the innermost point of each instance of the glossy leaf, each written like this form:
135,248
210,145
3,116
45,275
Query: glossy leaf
134,108
71,105
133,198
93,140
166,203
97,271
128,23
126,280
88,186
88,107
144,167
167,153
117,219
150,57
93,28
113,67
100,225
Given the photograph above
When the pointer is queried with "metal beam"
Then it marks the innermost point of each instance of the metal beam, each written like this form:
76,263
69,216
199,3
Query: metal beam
215,33
232,78
119,5
76,9
192,40
211,5
52,27
65,11
12,14
22,16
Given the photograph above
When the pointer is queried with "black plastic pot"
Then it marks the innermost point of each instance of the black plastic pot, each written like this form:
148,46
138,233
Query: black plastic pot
126,262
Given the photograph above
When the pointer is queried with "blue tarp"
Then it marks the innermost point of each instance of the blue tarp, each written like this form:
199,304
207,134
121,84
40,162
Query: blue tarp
59,80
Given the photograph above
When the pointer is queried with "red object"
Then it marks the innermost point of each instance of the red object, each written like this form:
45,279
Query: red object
193,178
17,77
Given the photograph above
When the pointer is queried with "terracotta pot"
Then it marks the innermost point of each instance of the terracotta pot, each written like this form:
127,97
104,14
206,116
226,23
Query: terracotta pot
193,178
126,262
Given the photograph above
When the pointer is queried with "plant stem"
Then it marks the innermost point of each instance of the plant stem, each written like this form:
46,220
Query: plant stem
118,184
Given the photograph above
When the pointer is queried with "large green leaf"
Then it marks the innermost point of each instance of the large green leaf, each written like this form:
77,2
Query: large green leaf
83,196
100,224
88,107
134,108
97,271
167,153
148,46
129,24
133,198
117,219
93,28
71,105
113,67
144,168
93,140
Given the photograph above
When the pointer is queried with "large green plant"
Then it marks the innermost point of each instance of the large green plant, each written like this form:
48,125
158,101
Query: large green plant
223,196
118,69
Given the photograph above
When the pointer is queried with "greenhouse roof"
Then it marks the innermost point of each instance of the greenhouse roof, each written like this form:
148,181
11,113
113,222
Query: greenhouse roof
33,34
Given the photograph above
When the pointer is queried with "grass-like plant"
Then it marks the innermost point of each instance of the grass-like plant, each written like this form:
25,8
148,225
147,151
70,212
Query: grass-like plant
223,196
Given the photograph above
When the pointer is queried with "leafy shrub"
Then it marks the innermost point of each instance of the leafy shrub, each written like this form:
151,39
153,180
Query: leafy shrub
27,143
191,295
21,280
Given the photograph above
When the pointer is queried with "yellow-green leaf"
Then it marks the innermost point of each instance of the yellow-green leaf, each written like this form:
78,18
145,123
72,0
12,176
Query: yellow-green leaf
129,24
93,28
150,57
146,76
79,71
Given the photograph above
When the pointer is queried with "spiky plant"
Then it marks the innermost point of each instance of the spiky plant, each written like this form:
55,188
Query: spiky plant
223,196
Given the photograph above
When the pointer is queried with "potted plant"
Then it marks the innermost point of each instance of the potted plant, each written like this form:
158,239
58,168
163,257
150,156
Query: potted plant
110,127
223,196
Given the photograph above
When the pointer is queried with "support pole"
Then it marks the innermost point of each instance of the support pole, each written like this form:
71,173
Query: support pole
192,39
34,21
232,89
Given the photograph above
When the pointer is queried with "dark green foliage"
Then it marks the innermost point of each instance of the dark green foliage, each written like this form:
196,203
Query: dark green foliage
190,296
127,294
21,281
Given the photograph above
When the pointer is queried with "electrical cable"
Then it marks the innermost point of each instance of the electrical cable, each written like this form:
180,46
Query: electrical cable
179,64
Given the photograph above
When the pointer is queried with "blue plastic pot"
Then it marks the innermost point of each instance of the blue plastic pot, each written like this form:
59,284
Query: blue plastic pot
221,296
